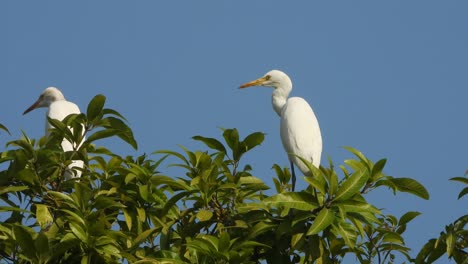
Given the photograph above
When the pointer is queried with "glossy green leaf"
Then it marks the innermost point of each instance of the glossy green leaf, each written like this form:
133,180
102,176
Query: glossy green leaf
347,232
322,221
211,143
358,207
61,127
407,217
78,231
204,215
301,201
377,169
231,136
358,154
95,107
128,219
107,111
253,140
410,186
125,134
102,134
251,180
144,191
351,185
43,215
392,237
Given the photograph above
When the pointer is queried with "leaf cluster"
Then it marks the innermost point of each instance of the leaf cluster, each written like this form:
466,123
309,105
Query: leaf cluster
213,210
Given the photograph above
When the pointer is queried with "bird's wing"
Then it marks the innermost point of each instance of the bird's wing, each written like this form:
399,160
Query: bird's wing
300,132
59,110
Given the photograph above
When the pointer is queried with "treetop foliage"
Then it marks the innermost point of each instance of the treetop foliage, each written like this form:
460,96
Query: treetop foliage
126,209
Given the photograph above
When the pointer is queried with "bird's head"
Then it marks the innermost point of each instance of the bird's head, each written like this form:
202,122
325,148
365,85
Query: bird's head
50,94
273,78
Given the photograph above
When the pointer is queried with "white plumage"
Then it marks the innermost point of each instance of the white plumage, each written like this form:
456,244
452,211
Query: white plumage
299,128
58,108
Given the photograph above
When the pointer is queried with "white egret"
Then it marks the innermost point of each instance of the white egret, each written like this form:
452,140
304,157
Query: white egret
299,128
59,108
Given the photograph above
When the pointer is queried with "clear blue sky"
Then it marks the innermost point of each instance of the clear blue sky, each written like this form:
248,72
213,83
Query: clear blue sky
388,78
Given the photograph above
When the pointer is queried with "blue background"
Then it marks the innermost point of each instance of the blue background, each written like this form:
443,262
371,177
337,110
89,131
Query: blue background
388,78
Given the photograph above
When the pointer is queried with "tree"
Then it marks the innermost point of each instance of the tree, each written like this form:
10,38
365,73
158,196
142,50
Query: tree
214,211
453,242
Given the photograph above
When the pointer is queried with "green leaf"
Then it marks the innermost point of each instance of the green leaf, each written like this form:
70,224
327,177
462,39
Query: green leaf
13,209
6,189
102,134
333,182
460,179
111,250
211,143
204,215
143,236
315,183
297,200
450,241
65,198
260,228
358,154
357,206
377,169
125,132
253,140
223,244
107,111
42,244
4,128
78,231
128,218
392,237
429,252
407,217
95,107
144,191
322,221
463,192
410,186
251,180
43,215
232,139
347,232
351,185
25,240
61,127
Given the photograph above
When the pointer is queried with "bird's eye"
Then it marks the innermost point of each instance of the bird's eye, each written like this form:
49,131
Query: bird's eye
267,77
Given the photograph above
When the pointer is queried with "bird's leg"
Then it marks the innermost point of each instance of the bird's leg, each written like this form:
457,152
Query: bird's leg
293,177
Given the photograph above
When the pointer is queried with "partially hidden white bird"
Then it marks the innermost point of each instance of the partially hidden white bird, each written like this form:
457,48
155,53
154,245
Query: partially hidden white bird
59,108
299,128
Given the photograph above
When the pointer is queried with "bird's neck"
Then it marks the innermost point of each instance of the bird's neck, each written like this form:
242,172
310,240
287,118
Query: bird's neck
279,98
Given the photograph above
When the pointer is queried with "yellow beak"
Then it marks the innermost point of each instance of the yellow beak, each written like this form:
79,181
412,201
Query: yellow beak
257,82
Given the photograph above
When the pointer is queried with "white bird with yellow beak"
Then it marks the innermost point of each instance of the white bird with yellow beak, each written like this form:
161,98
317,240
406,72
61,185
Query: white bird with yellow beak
59,108
299,128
